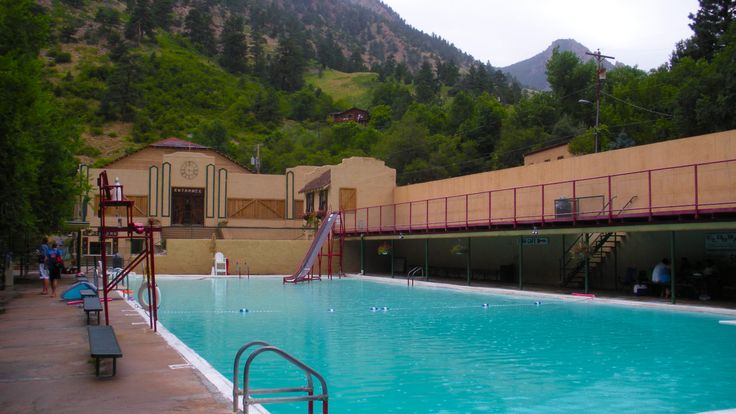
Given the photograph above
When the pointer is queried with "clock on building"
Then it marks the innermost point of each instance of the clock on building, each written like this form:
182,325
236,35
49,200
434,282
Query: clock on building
189,170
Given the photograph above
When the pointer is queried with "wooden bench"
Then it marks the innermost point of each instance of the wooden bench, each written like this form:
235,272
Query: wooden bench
87,292
103,344
92,304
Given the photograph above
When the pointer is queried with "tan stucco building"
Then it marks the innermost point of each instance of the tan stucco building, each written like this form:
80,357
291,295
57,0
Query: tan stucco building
206,202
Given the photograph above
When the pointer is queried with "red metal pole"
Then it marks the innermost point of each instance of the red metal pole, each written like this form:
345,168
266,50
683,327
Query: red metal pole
490,209
610,202
649,178
151,252
151,289
574,204
467,213
514,207
411,206
696,190
445,213
542,203
103,262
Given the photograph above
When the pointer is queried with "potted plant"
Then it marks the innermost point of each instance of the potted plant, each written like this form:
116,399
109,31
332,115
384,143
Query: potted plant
384,249
581,250
312,219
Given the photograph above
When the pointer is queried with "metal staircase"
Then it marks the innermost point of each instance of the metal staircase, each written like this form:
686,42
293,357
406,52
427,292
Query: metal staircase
246,392
593,248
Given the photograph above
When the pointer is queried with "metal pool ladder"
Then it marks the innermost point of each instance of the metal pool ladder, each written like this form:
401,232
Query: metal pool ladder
413,273
246,392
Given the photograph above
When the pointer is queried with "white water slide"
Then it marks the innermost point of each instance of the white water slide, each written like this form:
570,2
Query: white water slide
319,240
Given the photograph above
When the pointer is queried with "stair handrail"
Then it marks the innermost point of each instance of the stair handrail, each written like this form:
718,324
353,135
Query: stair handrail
412,273
605,206
628,203
597,246
246,391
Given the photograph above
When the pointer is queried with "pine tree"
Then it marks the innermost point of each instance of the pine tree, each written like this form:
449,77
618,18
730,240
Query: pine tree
426,84
287,70
259,68
234,48
161,10
140,23
198,26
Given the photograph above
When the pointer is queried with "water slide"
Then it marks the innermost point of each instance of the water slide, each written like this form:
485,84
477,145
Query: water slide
319,240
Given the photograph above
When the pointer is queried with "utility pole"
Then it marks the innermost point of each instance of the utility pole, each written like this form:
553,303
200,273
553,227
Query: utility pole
256,161
600,74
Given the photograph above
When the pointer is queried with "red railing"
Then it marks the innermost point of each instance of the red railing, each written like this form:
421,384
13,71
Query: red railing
692,189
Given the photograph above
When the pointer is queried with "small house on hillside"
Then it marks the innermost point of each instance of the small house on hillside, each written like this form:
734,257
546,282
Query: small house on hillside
353,114
547,154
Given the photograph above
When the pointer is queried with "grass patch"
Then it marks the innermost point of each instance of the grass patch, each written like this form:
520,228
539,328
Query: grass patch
347,89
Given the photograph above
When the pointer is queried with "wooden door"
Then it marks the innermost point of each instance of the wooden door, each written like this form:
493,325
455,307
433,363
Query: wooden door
348,199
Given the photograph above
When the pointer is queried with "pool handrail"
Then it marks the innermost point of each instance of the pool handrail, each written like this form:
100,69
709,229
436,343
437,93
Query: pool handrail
246,391
413,273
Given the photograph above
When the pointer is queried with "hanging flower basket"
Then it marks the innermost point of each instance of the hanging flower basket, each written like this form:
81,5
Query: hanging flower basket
384,249
458,250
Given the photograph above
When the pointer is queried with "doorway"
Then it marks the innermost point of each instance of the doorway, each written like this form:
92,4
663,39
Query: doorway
187,206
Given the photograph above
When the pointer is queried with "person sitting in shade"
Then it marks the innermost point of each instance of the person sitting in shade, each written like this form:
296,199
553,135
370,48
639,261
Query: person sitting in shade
661,275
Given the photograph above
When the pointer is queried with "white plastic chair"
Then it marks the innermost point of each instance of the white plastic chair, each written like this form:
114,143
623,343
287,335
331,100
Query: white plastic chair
220,264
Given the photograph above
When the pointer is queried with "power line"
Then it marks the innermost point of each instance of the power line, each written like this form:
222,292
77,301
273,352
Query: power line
637,106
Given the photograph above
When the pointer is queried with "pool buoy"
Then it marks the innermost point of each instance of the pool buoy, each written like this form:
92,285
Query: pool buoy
537,303
373,308
243,310
332,310
485,306
385,308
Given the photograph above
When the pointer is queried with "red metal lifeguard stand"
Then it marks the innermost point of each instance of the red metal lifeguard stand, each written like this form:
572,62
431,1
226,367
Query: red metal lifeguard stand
112,196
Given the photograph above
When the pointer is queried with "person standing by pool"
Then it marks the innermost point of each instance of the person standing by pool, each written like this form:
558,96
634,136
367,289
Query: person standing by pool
54,267
661,275
43,270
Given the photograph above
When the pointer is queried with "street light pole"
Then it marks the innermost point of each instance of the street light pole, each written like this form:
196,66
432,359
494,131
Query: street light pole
600,74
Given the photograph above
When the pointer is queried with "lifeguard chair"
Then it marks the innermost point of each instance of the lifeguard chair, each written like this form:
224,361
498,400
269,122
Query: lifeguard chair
111,195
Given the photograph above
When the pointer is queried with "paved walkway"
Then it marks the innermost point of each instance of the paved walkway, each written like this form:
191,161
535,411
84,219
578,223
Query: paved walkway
45,364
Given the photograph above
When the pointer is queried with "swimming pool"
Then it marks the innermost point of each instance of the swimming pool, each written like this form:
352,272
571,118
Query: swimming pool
441,351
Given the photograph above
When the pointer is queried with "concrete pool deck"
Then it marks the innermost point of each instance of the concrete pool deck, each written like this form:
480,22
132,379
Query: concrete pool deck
45,364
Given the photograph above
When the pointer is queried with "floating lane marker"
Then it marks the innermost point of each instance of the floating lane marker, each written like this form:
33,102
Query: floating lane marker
728,322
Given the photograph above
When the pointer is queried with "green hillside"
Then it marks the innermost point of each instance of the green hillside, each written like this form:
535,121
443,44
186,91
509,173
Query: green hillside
86,81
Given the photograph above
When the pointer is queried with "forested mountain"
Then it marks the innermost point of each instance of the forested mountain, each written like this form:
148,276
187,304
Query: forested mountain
88,81
532,72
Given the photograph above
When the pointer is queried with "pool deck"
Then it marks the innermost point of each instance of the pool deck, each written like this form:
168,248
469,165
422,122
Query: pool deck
45,363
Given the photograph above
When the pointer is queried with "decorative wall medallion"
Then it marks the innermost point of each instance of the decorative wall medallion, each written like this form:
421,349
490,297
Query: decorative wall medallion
189,170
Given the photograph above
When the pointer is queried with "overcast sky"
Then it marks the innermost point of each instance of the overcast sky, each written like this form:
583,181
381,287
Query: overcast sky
635,32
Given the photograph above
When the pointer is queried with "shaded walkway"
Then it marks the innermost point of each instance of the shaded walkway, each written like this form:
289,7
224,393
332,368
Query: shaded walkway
45,364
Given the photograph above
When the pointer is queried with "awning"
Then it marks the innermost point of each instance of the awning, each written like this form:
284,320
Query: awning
319,183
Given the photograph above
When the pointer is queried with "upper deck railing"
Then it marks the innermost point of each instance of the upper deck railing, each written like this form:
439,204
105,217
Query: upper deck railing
683,190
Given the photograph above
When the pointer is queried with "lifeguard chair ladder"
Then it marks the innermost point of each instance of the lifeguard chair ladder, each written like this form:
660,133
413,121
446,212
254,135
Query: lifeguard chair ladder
112,196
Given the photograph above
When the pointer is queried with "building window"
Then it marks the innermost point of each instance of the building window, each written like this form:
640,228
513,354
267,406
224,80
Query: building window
323,200
310,202
136,246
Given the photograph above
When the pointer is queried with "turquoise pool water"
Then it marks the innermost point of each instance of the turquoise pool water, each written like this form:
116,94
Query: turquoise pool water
441,351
